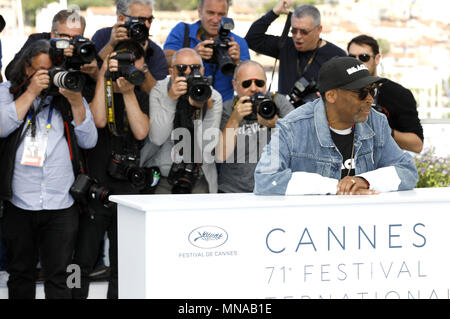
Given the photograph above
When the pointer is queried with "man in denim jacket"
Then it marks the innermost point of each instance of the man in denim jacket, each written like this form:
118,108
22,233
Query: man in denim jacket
337,144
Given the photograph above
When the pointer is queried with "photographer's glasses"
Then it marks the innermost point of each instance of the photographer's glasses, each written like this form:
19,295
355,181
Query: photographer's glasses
294,31
142,19
363,92
182,68
259,83
362,57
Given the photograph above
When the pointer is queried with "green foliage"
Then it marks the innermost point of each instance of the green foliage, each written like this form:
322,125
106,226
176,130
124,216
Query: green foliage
170,5
433,171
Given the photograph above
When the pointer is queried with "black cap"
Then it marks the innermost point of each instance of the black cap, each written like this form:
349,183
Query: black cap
2,23
345,73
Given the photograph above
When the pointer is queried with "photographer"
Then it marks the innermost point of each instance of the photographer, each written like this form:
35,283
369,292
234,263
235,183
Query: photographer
301,55
134,18
177,105
39,156
206,36
113,165
68,25
246,126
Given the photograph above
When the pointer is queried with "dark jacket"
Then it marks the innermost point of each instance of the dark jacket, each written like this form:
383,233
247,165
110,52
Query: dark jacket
263,43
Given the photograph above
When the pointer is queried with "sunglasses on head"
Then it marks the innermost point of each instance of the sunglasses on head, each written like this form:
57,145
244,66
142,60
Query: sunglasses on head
182,68
362,57
142,19
363,92
259,83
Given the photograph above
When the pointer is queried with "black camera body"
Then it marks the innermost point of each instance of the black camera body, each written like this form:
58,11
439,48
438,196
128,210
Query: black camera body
86,187
198,86
84,52
303,91
127,69
263,105
125,167
221,46
136,30
183,177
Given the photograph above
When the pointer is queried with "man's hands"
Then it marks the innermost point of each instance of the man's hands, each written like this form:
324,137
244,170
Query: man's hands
282,7
118,33
242,108
352,185
40,81
206,52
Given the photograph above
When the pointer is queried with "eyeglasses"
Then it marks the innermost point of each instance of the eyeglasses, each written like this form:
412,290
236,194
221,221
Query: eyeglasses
142,19
63,35
294,31
183,67
362,57
259,83
363,92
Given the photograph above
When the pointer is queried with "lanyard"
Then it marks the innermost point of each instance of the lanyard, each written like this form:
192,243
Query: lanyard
31,120
311,59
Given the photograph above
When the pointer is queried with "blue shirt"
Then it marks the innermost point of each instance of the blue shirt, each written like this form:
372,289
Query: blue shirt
154,56
222,83
47,187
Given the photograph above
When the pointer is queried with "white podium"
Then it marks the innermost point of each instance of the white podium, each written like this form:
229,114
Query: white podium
391,245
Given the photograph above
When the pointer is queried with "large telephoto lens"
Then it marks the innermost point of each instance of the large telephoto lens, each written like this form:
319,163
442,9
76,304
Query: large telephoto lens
134,75
71,80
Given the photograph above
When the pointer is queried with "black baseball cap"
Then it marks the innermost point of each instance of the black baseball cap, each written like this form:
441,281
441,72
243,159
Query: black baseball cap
345,73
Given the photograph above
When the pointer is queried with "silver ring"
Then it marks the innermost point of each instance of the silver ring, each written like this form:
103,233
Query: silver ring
353,181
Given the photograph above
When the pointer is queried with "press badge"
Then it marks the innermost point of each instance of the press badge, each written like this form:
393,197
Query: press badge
34,150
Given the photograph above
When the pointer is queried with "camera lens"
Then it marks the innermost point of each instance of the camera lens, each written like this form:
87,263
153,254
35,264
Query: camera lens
267,109
182,187
70,80
136,176
138,32
134,75
200,92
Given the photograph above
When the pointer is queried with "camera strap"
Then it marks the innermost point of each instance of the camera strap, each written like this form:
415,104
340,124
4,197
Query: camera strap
310,61
109,98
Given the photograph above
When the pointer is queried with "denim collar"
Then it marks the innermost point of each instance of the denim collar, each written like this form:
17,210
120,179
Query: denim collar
363,130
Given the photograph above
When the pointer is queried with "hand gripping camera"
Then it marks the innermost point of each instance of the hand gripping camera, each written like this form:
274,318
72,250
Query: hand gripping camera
136,30
127,69
65,72
263,105
221,46
303,91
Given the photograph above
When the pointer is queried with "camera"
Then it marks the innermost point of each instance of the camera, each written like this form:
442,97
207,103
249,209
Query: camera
86,187
303,91
127,69
198,86
125,167
136,30
263,105
221,46
62,78
183,177
84,52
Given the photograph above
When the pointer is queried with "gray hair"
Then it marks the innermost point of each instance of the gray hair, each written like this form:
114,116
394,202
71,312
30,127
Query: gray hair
123,6
244,63
71,17
200,5
308,10
174,56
